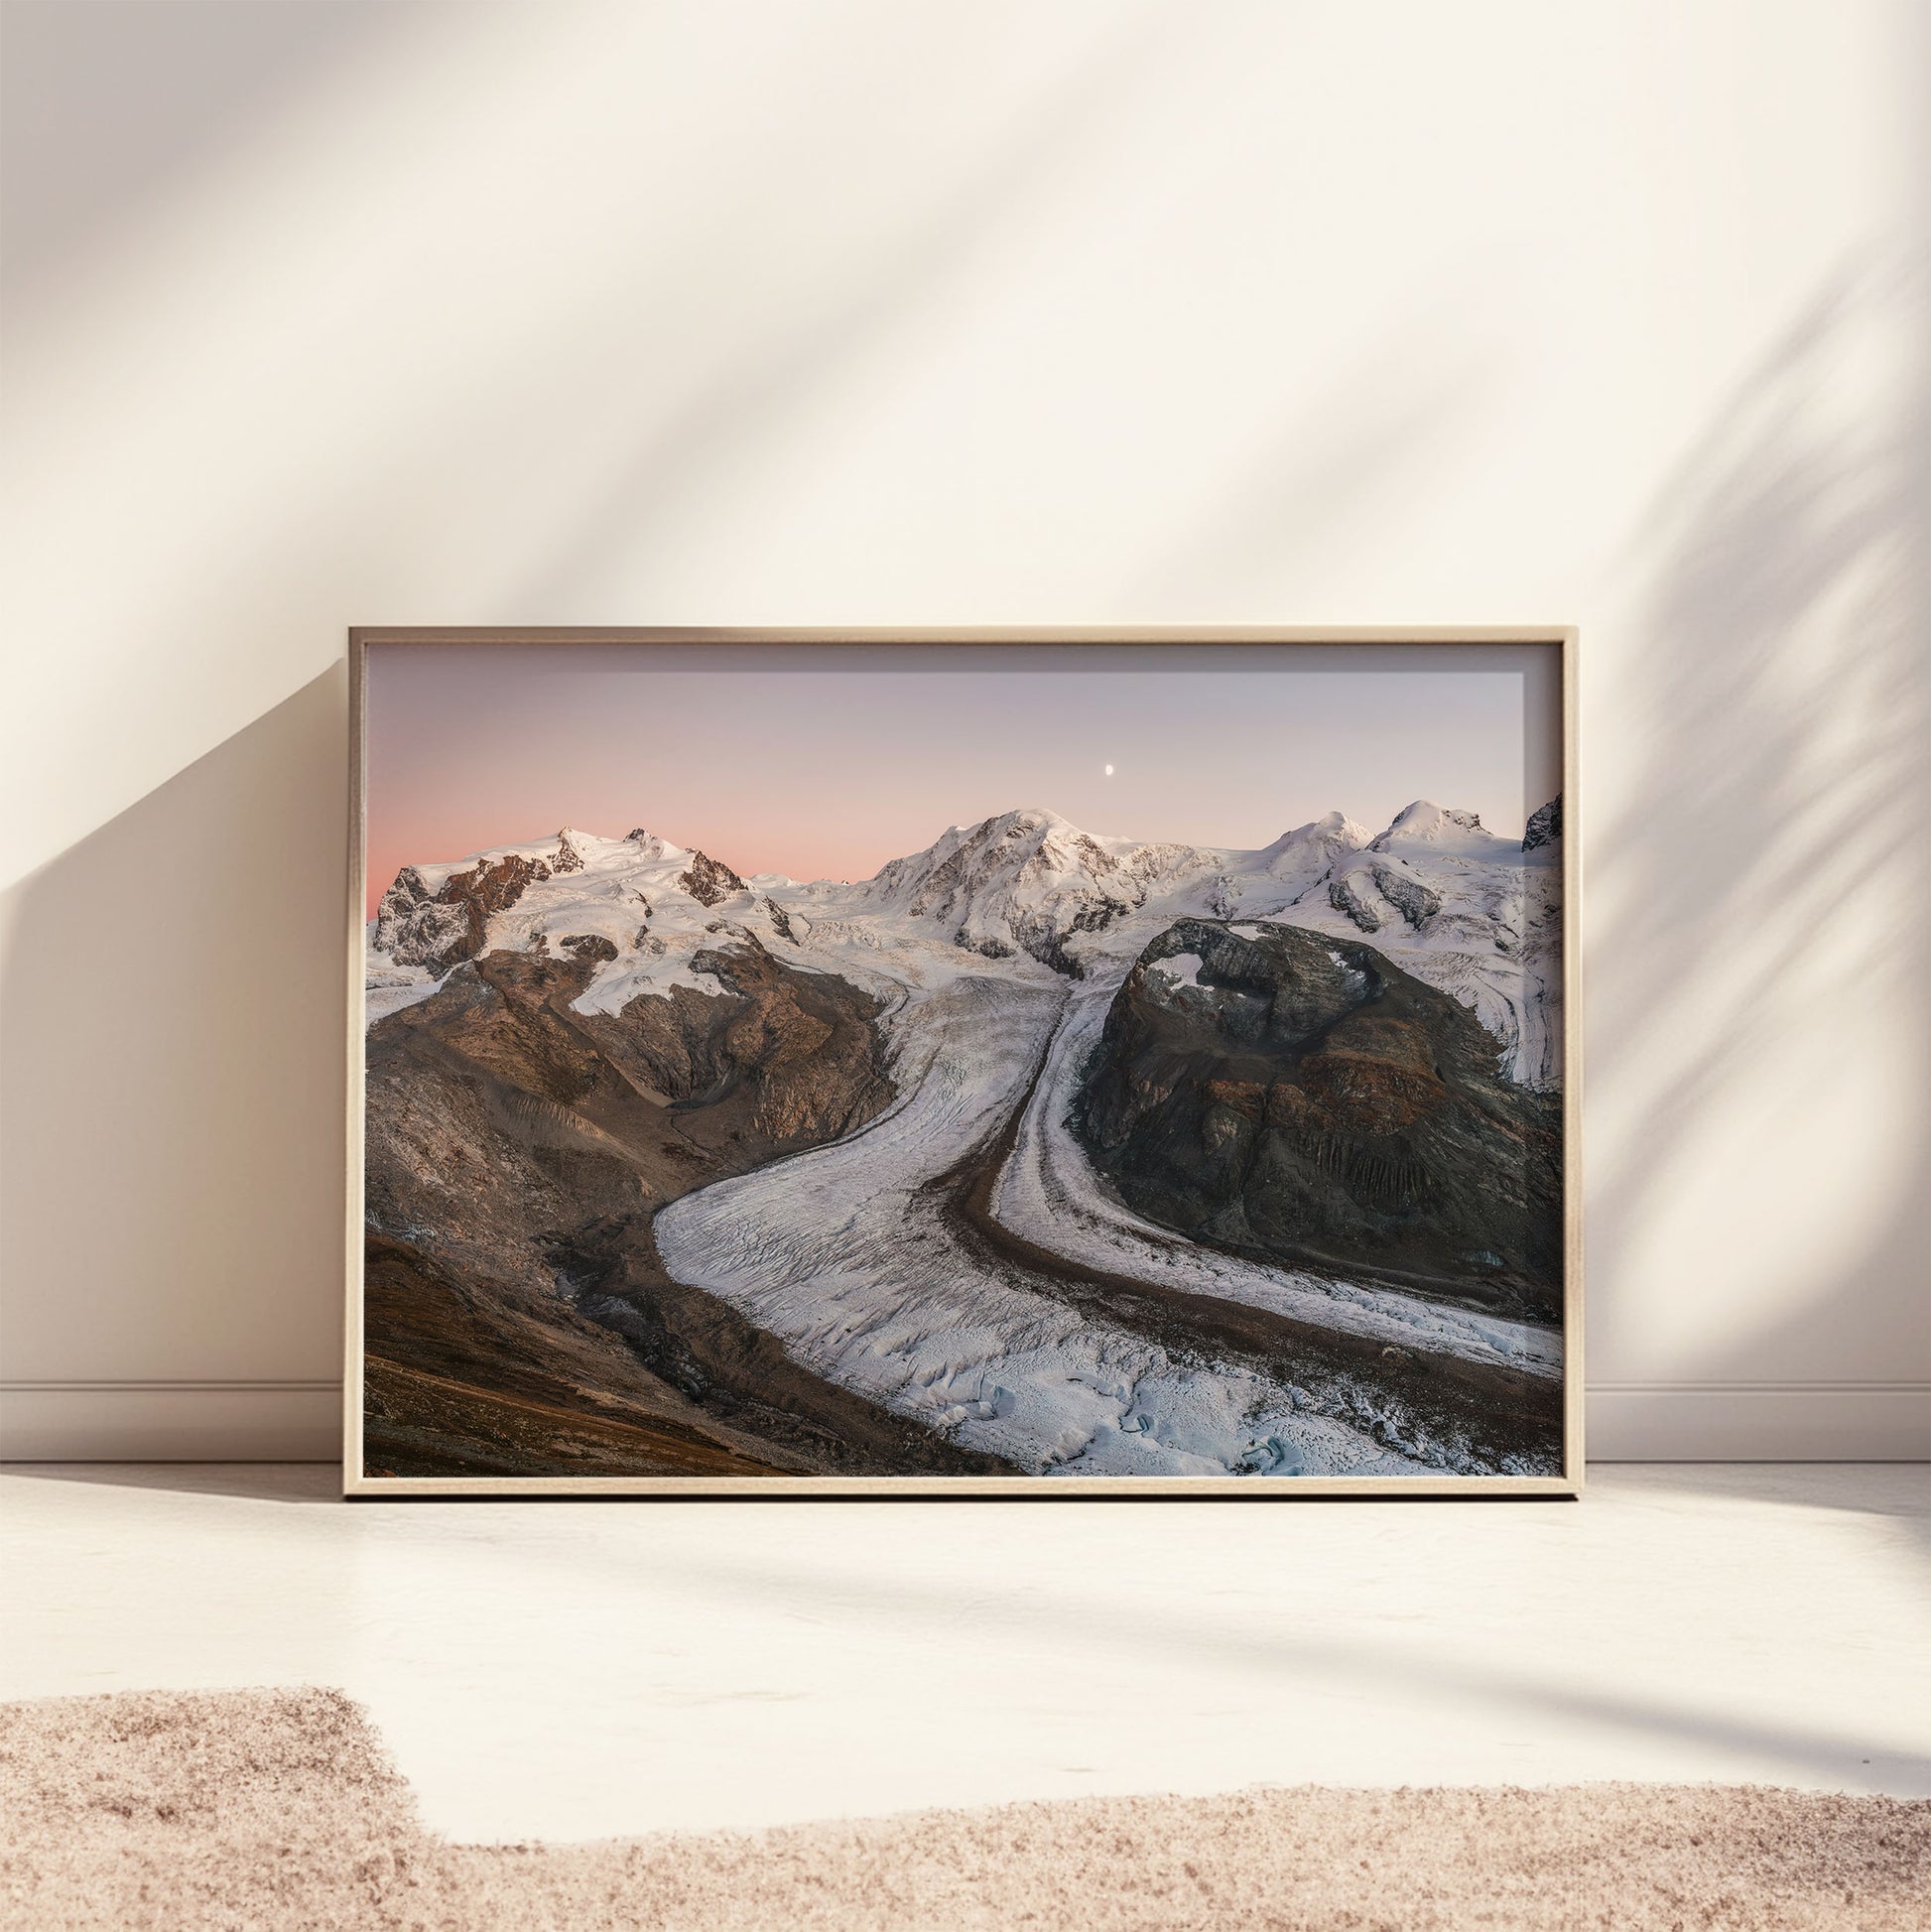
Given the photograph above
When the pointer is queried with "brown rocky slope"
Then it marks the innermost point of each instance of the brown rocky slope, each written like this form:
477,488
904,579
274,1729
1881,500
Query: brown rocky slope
1303,1099
517,1319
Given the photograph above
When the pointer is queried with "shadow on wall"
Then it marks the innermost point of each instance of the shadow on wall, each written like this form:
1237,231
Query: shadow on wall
176,84
170,1062
1760,905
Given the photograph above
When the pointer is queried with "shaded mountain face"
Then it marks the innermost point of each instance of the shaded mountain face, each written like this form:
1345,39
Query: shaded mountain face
1544,826
516,1148
1303,1099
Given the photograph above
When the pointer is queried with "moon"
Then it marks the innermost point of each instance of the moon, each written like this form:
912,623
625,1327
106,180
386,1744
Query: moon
1109,771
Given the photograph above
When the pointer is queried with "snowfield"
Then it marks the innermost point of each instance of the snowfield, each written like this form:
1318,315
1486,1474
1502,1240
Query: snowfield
996,953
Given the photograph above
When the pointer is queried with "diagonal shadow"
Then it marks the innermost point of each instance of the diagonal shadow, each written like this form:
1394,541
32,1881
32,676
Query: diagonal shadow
785,369
1779,787
163,89
171,1016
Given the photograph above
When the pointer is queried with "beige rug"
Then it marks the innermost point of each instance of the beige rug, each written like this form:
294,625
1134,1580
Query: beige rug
271,1809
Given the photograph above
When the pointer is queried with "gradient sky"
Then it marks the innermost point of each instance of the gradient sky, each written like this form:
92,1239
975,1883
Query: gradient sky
824,761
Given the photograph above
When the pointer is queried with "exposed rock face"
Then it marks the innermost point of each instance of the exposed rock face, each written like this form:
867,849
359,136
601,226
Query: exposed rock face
783,1060
673,1089
1544,826
792,926
1356,891
1304,1100
1343,896
1415,902
709,880
438,929
592,946
516,1151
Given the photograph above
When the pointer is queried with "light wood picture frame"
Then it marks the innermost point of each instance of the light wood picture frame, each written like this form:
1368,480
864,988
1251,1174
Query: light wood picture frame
1044,1157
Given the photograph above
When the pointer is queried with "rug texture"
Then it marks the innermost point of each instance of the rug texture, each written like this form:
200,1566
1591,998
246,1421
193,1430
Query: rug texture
271,1809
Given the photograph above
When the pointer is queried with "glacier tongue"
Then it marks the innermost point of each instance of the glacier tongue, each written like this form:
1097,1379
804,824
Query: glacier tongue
845,1254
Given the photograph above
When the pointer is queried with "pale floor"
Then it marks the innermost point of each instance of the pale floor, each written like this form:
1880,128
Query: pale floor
575,1670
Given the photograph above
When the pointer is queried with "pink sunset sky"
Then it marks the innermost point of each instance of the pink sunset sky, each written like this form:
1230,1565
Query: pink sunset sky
824,761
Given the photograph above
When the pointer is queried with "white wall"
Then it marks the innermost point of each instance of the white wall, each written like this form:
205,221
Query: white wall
967,311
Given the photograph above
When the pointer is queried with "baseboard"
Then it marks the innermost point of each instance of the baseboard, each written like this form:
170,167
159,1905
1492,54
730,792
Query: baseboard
301,1422
1760,1422
170,1422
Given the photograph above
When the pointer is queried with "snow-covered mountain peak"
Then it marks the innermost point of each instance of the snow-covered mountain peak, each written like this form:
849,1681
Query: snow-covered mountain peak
1314,846
1027,832
1028,819
569,856
1442,830
1337,825
650,847
1029,843
1424,820
1018,882
574,849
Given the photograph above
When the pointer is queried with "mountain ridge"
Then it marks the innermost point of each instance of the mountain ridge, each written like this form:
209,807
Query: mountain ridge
1023,890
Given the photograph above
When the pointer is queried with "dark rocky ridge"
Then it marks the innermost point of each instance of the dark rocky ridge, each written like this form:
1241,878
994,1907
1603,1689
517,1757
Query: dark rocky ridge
1544,826
1415,902
709,880
440,929
1314,1106
518,1321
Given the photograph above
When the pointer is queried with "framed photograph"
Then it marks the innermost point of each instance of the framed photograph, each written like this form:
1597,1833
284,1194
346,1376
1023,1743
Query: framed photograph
964,1063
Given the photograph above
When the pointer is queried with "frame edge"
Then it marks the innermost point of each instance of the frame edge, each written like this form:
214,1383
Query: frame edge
1569,1485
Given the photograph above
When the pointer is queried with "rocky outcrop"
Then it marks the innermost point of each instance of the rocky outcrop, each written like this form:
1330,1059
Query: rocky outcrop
1343,896
782,1060
1304,1100
1415,902
417,926
1544,826
794,927
1356,892
709,880
676,1088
